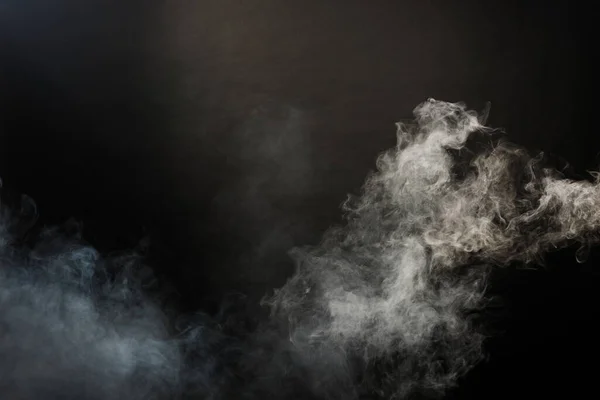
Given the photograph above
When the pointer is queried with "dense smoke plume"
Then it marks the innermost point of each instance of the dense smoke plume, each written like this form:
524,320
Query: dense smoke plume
383,307
396,285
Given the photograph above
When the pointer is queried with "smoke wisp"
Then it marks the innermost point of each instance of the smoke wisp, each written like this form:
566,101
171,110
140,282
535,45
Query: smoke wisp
383,307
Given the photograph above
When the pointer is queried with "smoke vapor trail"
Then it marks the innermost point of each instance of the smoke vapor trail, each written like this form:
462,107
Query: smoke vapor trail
383,307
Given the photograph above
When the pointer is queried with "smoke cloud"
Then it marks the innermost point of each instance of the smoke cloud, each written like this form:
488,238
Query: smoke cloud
75,325
398,284
383,307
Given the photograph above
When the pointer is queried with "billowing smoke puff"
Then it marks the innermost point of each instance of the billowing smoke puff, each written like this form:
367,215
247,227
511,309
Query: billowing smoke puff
382,308
394,288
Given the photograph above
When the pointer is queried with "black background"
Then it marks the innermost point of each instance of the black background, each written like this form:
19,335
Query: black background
231,131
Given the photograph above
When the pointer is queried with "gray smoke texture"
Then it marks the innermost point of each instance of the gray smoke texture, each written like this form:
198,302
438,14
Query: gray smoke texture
382,308
274,173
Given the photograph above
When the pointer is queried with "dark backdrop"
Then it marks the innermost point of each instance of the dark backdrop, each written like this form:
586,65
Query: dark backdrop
230,131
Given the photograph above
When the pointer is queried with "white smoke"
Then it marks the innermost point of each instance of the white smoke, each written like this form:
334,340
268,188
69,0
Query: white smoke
382,308
393,286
